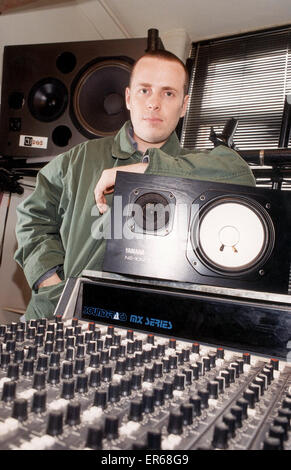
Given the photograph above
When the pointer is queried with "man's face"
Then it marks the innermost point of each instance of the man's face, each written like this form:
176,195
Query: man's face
156,100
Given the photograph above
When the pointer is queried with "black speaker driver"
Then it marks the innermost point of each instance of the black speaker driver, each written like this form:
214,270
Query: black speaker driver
151,212
233,235
48,99
98,104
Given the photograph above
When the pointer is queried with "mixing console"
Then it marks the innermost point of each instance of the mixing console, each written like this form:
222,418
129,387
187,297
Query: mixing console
78,385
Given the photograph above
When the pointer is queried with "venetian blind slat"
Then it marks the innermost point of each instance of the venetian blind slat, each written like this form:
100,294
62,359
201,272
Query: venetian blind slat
245,78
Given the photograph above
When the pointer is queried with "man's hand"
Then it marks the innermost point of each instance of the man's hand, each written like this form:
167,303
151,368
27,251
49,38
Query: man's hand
106,183
50,281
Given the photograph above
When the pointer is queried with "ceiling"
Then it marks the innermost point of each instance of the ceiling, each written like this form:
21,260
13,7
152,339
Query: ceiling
201,19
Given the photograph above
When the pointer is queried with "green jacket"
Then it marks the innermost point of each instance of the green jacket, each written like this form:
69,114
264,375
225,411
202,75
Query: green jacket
55,222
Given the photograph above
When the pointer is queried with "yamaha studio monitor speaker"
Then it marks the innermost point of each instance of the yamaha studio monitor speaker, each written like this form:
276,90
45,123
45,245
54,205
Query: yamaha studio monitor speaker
200,232
55,96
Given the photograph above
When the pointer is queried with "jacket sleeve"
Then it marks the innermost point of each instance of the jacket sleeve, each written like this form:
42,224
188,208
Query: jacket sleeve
222,165
39,219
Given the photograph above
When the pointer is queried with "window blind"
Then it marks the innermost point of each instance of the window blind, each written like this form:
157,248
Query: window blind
246,78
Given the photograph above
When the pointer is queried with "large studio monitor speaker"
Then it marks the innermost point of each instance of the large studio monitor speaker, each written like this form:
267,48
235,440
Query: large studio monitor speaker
55,96
200,232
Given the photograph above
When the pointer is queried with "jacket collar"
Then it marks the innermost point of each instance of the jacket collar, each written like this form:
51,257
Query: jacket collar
124,145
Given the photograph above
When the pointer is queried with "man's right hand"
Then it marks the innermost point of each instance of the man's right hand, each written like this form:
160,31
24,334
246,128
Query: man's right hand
50,281
106,182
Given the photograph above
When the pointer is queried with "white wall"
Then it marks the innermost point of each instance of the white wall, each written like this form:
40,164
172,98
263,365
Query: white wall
71,22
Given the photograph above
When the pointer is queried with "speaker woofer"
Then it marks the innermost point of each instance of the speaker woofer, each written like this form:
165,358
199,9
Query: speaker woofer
99,107
232,235
48,99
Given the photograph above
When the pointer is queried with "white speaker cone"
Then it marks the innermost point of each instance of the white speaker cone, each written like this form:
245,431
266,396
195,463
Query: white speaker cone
232,236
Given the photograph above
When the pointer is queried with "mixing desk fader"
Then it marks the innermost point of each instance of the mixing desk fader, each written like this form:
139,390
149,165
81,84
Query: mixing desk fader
70,384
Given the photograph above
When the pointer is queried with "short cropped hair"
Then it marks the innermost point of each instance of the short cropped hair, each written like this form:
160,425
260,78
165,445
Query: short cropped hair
164,55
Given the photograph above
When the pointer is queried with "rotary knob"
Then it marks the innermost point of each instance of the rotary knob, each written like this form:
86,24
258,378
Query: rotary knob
94,437
39,402
55,423
168,386
82,383
284,423
250,396
212,387
70,342
32,352
79,365
220,353
230,421
237,412
70,354
187,412
67,370
125,386
114,353
277,432
19,337
195,371
247,358
195,401
114,392
55,358
106,373
204,395
69,331
129,334
68,389
39,380
120,366
150,338
100,398
94,359
135,410
154,439
272,443
19,355
179,382
136,380
243,403
175,423
80,353
42,363
149,374
111,427
159,395
195,348
95,378
39,339
148,401
28,367
54,375
48,347
73,413
88,336
50,336
13,371
20,409
220,436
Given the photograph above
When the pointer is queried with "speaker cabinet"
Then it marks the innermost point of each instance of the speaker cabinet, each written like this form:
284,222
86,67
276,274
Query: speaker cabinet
200,232
55,96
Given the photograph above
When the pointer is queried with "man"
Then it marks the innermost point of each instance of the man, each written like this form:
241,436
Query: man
54,230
